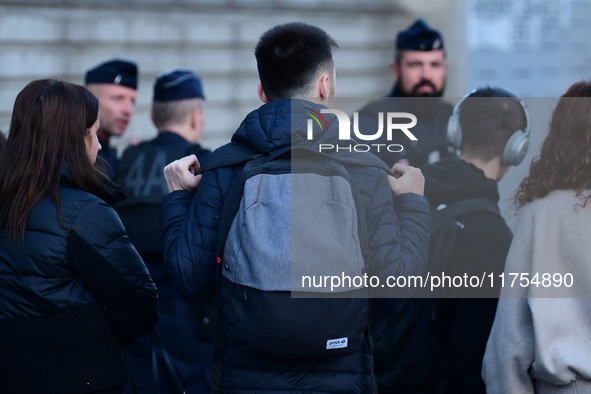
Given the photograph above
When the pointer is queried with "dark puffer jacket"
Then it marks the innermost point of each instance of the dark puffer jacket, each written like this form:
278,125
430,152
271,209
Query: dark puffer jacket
398,238
69,297
441,352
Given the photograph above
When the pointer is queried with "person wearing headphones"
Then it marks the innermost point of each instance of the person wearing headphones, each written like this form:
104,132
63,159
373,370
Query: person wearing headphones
490,128
443,349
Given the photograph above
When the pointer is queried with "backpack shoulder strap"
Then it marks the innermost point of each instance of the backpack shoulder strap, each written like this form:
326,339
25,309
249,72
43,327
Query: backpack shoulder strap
363,159
229,155
472,205
361,223
360,159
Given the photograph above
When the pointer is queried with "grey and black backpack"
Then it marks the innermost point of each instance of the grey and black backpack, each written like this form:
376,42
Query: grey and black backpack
289,221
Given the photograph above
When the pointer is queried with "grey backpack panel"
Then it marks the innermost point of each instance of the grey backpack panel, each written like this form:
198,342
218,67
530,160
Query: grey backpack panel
325,235
274,240
257,250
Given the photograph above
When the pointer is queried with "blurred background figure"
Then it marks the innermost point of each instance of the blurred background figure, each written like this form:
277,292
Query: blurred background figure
519,43
419,66
2,140
491,129
73,289
419,70
178,113
114,83
539,343
440,342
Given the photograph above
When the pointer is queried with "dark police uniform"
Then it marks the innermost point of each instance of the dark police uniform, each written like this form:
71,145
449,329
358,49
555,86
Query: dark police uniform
431,129
142,177
185,329
109,154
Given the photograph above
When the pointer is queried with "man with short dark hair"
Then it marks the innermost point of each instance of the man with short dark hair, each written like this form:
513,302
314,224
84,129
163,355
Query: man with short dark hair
295,61
490,128
178,114
419,69
114,83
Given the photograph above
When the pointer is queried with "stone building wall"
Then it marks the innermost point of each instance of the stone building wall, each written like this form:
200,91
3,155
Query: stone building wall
63,38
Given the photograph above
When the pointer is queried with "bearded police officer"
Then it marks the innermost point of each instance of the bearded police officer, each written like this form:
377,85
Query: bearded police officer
419,69
178,114
114,83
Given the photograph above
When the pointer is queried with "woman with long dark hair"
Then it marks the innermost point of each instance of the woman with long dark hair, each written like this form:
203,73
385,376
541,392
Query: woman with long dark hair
73,289
540,340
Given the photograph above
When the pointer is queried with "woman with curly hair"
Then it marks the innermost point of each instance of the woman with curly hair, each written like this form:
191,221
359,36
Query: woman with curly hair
73,289
540,340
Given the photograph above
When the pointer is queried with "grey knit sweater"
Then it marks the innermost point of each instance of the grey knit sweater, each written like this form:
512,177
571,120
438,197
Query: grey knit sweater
540,344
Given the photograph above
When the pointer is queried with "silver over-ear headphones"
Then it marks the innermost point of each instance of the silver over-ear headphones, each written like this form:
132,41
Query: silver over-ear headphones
516,146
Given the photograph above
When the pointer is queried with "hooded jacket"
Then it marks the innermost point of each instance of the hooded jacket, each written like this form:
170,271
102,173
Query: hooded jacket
446,354
70,296
481,246
398,237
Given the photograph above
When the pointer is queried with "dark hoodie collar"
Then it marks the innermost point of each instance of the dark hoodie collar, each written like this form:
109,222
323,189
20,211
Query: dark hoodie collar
114,192
452,179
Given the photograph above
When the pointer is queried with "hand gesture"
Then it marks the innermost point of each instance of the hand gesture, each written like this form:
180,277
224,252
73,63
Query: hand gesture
180,174
406,179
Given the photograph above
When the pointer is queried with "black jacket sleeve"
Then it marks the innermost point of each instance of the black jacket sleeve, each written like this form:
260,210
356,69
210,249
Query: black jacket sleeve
107,263
189,233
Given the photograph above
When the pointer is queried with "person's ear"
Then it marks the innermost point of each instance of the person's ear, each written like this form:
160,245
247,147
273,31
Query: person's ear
197,121
395,68
262,94
324,86
195,117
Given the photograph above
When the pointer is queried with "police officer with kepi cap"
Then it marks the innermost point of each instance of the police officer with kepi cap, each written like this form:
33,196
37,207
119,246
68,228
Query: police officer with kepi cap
178,114
114,83
419,37
117,72
419,69
419,66
177,85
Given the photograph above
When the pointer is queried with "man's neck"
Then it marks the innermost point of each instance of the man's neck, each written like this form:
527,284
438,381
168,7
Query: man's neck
187,133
